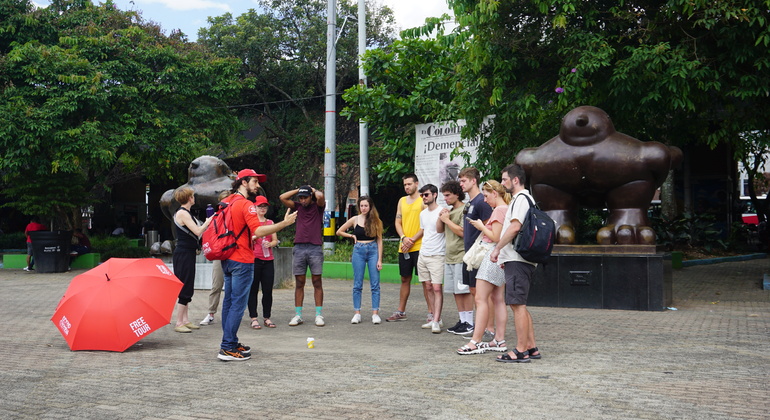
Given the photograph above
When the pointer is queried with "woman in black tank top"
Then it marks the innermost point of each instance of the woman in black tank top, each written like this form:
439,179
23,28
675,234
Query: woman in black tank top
188,233
367,250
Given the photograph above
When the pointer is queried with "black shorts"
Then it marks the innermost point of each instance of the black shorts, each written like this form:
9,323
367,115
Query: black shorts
469,277
408,267
518,276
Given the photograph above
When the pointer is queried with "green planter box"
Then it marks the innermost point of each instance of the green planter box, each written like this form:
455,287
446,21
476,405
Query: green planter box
344,270
14,260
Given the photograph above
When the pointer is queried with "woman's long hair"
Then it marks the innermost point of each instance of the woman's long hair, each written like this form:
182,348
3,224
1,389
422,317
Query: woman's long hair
373,224
495,186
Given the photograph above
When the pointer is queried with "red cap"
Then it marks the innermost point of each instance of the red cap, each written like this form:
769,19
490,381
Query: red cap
250,172
261,199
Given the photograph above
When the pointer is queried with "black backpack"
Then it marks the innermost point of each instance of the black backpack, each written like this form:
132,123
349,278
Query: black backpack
534,242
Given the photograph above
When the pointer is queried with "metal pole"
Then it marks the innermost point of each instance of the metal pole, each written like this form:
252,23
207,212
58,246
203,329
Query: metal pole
363,130
330,151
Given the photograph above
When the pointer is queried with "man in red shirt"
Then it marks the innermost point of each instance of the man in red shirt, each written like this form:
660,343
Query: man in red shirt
239,268
34,225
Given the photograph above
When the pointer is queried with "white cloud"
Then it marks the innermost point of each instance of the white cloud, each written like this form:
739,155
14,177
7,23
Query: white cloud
185,5
412,13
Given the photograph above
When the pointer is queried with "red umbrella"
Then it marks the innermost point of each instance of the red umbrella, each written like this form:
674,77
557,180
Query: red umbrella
116,304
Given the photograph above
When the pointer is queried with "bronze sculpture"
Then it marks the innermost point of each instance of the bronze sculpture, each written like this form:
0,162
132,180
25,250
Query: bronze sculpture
590,164
208,176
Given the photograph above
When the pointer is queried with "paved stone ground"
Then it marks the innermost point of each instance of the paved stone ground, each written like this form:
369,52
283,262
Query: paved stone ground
710,359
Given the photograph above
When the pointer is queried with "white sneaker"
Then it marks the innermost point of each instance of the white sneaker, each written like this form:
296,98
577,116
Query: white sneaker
209,319
429,324
26,268
295,321
376,319
319,321
437,327
356,319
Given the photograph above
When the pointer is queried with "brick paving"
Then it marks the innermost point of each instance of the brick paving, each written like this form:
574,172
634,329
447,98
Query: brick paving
709,359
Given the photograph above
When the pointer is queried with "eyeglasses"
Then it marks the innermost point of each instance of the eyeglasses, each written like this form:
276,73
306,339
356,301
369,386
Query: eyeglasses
263,206
426,194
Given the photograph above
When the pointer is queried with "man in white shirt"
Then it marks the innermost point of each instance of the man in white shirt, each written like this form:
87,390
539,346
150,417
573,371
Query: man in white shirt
518,271
430,266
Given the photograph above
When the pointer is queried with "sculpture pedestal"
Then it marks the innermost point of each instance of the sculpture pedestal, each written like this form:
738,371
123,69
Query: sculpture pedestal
631,277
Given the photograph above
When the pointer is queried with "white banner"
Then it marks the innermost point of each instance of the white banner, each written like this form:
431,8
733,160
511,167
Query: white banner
435,143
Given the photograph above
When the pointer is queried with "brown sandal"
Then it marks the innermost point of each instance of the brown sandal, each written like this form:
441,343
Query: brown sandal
269,323
255,324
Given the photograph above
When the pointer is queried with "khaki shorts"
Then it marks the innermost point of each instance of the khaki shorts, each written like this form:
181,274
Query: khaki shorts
430,268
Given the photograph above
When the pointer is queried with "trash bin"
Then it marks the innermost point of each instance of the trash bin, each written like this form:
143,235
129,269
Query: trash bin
151,237
51,250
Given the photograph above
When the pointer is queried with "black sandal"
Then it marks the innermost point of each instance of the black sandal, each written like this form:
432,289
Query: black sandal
521,357
534,356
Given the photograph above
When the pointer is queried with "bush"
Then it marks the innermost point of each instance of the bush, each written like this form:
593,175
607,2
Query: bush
343,251
16,240
117,247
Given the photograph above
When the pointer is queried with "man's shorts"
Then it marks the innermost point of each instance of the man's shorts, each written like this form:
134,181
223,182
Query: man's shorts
517,279
29,248
469,277
408,267
430,268
453,279
307,255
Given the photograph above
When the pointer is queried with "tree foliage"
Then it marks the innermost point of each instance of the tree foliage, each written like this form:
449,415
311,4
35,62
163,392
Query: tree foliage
282,48
674,71
86,89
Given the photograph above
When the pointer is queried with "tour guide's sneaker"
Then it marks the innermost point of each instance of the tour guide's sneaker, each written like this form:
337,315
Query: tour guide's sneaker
232,354
397,316
243,348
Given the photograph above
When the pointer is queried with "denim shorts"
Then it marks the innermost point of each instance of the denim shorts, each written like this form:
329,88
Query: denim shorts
307,255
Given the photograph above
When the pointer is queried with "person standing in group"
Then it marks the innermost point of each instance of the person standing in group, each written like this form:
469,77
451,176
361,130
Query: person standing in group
408,229
188,233
475,209
367,251
308,248
217,278
264,269
518,271
451,224
490,279
239,268
430,267
33,226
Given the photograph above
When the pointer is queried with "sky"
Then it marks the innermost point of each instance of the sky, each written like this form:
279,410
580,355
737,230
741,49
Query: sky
190,15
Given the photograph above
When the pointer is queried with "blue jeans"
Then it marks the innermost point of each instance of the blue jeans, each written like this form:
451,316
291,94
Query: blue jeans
238,278
364,254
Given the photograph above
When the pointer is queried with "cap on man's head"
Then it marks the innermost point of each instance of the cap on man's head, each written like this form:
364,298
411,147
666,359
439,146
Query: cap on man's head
261,199
305,191
250,172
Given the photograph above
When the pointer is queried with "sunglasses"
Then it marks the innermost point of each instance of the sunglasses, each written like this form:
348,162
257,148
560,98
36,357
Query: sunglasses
466,208
426,194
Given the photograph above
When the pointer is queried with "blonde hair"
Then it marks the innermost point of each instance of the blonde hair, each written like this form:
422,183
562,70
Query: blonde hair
183,194
495,186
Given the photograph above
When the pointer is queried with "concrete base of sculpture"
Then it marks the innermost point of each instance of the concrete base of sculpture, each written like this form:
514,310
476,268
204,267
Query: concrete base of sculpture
631,277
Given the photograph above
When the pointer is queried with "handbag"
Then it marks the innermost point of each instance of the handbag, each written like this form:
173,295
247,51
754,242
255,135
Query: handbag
475,255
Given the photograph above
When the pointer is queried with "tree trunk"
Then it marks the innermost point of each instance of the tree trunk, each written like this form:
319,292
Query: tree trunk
667,198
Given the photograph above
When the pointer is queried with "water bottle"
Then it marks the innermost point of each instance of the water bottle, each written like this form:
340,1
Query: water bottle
265,249
406,254
209,211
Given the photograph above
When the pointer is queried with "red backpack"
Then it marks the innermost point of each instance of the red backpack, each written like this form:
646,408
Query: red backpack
219,240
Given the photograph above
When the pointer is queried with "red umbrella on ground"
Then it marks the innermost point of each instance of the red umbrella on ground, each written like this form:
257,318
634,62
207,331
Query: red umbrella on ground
116,304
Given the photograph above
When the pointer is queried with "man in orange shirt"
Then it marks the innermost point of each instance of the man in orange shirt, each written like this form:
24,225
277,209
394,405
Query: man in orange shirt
239,268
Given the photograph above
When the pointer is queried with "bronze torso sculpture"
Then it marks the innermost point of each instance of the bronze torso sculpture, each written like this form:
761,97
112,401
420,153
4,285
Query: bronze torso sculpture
208,176
590,164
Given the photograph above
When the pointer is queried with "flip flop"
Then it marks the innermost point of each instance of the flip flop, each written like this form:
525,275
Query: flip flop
269,323
255,324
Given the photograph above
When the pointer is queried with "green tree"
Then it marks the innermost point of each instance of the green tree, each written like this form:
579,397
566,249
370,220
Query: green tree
87,91
674,71
282,48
